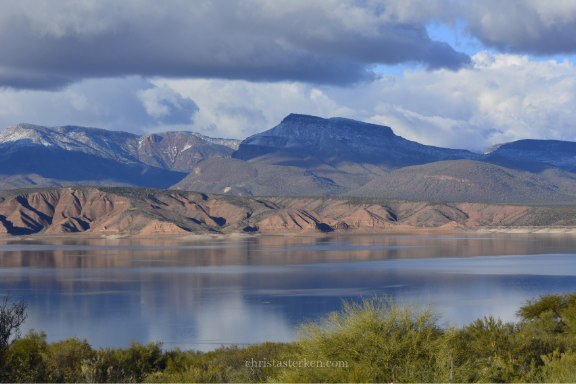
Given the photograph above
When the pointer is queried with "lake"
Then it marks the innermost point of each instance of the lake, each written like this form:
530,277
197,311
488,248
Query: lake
220,291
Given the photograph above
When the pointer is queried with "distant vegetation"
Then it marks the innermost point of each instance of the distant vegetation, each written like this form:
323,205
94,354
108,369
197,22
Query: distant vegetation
377,339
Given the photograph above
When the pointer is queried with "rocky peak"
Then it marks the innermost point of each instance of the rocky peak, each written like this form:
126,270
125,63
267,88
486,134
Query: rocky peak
341,141
27,134
176,151
296,118
295,121
316,133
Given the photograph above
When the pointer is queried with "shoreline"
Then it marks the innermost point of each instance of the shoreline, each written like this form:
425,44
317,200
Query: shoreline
240,235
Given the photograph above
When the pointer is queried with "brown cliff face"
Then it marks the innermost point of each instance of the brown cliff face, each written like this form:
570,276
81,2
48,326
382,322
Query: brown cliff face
151,212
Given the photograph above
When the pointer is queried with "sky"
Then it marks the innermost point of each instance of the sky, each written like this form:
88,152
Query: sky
451,73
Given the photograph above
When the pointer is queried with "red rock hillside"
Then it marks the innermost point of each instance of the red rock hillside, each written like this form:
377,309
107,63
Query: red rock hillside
141,211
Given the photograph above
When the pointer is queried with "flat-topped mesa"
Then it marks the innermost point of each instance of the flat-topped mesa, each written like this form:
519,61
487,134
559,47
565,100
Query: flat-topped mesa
340,139
316,133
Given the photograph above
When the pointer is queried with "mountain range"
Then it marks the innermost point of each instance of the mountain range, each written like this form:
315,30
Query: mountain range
32,155
122,211
302,156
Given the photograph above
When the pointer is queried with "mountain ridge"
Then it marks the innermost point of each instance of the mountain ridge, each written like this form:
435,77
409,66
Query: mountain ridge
474,181
561,154
302,156
344,137
133,211
32,155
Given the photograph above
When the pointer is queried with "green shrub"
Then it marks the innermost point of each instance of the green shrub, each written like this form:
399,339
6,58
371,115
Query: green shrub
130,365
223,365
24,360
560,367
64,359
563,307
374,338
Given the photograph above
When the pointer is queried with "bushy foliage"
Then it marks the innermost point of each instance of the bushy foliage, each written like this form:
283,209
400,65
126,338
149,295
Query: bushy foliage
562,307
224,365
505,352
376,340
64,359
560,367
379,341
24,360
130,365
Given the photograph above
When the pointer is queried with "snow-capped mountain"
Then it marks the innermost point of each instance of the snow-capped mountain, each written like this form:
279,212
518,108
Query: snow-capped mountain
71,155
163,150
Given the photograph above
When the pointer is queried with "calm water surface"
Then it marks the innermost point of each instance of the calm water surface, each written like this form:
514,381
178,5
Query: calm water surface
203,294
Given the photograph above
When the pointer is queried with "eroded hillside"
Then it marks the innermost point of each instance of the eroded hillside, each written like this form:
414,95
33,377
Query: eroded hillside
141,211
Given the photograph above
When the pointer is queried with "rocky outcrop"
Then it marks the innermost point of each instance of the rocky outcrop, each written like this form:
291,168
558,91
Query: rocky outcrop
151,212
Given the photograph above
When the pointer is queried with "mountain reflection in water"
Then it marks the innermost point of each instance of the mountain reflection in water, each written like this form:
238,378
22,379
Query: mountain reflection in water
205,293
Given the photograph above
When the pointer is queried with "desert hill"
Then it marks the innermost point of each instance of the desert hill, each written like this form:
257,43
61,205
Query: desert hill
142,211
474,181
241,178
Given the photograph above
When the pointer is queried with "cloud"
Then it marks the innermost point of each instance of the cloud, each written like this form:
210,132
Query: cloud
498,98
237,109
167,106
535,27
51,45
132,104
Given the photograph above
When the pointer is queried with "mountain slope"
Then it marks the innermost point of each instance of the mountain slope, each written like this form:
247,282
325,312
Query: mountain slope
69,155
561,154
302,156
241,178
473,181
151,212
340,144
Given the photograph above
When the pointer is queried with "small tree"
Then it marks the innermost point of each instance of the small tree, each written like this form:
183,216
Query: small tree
545,308
11,318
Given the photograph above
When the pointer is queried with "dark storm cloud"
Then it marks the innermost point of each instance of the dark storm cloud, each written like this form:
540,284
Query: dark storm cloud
537,27
47,45
439,52
178,112
251,115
